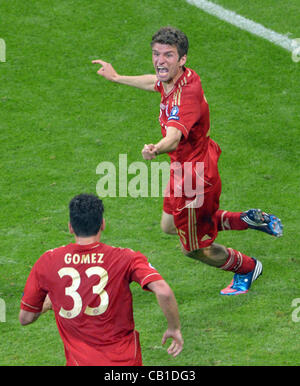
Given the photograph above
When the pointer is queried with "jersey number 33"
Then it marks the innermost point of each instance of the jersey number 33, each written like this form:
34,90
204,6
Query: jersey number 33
96,289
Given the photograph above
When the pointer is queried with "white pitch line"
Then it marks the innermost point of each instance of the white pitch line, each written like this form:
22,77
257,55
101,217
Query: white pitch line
244,23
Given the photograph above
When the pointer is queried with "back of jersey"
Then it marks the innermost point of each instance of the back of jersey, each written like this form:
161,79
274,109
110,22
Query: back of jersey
88,286
89,290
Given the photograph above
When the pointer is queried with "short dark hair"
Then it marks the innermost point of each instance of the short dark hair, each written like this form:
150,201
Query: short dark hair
173,37
86,214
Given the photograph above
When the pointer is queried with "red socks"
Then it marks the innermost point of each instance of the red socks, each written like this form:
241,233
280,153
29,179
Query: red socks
230,221
238,262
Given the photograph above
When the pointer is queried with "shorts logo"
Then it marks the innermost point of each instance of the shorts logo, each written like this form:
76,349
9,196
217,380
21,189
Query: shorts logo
174,113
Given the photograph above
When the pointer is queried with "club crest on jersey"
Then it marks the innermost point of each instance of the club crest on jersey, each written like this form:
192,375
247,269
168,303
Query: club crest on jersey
174,113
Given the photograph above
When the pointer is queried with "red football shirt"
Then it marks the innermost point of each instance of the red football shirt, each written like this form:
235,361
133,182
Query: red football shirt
185,108
89,290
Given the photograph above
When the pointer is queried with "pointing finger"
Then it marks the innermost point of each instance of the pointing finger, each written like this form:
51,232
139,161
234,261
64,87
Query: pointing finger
99,61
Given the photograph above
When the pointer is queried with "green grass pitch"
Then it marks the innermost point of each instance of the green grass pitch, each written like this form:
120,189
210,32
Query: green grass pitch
59,120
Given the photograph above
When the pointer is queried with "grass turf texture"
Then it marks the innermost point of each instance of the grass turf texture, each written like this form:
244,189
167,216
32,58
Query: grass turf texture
59,120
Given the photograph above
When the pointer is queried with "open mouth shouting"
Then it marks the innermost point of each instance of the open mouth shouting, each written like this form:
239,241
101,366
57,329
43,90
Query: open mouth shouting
162,71
166,61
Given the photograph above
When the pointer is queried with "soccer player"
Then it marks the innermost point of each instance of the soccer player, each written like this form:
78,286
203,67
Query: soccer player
185,127
86,283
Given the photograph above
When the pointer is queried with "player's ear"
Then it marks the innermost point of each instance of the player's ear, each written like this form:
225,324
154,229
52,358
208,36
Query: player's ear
71,230
103,225
182,60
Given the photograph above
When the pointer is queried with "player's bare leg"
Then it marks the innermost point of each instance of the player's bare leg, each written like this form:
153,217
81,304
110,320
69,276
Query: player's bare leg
167,224
246,269
219,256
214,255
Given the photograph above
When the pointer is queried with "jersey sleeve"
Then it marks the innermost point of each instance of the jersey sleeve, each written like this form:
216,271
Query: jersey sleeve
34,296
142,271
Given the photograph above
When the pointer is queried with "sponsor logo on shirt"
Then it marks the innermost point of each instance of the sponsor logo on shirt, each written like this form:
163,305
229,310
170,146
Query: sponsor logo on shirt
174,113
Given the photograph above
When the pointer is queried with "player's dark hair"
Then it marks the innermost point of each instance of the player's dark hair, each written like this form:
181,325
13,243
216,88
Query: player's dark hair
86,214
173,37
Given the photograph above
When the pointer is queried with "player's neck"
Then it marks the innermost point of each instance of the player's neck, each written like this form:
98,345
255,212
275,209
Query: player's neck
168,86
87,240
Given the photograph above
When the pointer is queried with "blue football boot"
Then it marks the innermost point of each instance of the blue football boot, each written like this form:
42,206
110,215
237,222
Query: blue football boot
241,284
256,219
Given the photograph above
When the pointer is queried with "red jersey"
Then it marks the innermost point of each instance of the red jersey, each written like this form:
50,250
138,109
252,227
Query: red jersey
186,109
89,289
192,195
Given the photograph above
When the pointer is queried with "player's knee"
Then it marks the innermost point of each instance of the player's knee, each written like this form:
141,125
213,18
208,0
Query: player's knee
167,224
168,228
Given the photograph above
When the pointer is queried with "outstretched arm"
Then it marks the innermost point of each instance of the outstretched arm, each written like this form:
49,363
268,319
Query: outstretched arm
165,145
144,82
168,304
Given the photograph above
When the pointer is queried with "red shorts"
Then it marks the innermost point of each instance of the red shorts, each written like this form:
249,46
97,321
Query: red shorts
197,227
196,224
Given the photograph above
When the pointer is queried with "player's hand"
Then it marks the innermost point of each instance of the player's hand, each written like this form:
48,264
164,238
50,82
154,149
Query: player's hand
177,343
149,152
107,70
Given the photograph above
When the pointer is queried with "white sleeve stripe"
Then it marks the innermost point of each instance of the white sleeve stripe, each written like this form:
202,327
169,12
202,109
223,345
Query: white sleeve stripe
28,305
156,273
